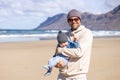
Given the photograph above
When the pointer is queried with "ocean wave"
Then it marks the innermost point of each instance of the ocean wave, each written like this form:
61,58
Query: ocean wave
105,33
44,34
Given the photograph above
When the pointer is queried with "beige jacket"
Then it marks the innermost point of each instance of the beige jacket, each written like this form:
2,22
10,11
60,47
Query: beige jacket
79,58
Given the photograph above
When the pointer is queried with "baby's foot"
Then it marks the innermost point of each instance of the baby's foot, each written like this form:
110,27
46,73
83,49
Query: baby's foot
46,67
49,69
47,74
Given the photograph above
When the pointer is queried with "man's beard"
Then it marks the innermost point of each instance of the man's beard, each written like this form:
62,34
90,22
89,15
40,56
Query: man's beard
73,29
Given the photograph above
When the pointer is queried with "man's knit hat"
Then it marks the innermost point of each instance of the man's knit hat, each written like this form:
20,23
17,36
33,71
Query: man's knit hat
73,13
61,37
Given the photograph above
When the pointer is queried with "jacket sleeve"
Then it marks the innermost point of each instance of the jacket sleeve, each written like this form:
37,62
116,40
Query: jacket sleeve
85,42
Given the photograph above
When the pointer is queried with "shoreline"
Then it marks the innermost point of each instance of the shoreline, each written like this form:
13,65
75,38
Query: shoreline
30,39
54,39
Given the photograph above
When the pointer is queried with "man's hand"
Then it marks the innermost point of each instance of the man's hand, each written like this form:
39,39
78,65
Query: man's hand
60,64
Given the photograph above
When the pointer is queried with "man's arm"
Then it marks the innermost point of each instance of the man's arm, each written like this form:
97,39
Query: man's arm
85,43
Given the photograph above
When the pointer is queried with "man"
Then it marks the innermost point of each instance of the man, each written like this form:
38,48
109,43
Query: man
79,58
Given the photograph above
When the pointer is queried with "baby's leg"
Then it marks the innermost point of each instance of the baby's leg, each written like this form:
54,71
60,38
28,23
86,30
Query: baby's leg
63,61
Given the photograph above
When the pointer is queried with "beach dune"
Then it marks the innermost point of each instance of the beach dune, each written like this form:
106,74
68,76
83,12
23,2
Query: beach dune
25,60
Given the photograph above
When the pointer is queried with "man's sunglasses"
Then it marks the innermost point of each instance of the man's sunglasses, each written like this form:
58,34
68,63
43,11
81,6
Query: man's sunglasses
75,19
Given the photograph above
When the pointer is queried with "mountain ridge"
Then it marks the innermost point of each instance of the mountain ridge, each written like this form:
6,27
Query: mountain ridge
107,21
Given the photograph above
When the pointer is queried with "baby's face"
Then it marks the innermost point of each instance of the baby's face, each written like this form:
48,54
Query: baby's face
64,44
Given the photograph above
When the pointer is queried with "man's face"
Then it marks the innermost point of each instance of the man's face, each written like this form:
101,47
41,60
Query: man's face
74,22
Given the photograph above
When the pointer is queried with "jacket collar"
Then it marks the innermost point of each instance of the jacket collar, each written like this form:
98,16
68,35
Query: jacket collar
79,29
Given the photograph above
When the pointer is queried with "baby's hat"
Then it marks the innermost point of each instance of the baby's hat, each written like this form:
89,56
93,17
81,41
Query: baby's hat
61,37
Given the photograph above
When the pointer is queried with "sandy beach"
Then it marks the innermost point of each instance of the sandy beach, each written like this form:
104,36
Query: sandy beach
25,60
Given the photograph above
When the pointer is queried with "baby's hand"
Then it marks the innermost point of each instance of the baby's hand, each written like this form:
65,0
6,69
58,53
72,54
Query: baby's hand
74,37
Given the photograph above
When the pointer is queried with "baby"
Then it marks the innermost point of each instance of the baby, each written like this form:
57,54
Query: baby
62,42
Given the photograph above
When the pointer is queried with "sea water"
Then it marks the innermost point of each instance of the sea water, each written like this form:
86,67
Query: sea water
35,35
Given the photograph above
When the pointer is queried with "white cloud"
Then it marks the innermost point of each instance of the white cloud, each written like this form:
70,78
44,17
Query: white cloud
112,3
4,12
50,7
41,9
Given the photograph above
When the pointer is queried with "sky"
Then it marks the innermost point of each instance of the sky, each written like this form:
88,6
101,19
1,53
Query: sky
28,14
